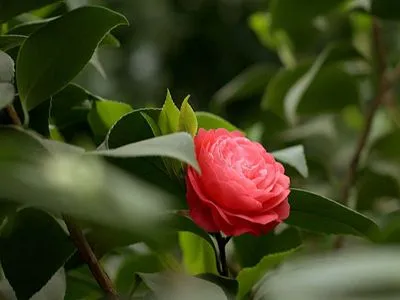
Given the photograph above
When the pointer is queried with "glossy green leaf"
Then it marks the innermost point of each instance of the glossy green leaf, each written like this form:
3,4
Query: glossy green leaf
33,241
251,249
44,52
12,8
187,118
208,121
294,157
198,255
10,41
104,114
248,277
322,95
248,83
178,286
169,116
177,145
315,213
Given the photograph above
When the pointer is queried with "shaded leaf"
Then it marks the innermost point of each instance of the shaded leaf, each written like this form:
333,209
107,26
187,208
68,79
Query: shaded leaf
319,214
43,53
248,277
10,41
250,249
12,8
293,156
386,9
33,241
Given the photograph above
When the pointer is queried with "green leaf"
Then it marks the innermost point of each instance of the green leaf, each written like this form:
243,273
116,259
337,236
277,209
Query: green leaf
208,121
81,186
322,95
248,277
27,28
187,118
248,83
319,214
352,274
11,41
169,116
388,146
104,114
32,241
178,286
386,9
251,249
12,8
43,53
198,255
294,157
297,91
177,145
230,286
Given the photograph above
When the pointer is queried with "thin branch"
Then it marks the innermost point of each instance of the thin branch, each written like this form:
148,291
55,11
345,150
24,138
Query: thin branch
79,239
90,259
383,88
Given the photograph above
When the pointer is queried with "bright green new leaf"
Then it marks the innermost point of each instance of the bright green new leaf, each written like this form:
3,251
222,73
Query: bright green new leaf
104,114
44,66
315,213
12,8
209,121
168,120
177,145
293,156
187,118
198,255
32,241
248,277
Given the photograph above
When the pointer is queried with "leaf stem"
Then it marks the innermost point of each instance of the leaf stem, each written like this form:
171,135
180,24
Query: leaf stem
383,87
221,241
90,259
78,238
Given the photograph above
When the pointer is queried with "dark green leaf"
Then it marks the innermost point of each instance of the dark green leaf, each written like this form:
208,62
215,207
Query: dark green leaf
386,9
319,214
104,114
12,8
43,53
10,41
198,256
250,82
33,241
293,156
322,95
388,146
27,28
248,277
250,249
208,121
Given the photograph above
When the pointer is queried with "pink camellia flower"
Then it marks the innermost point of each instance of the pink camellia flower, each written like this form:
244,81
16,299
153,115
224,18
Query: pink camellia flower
241,189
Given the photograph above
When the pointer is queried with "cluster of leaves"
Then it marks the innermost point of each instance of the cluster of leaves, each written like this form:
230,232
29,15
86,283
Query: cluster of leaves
118,170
